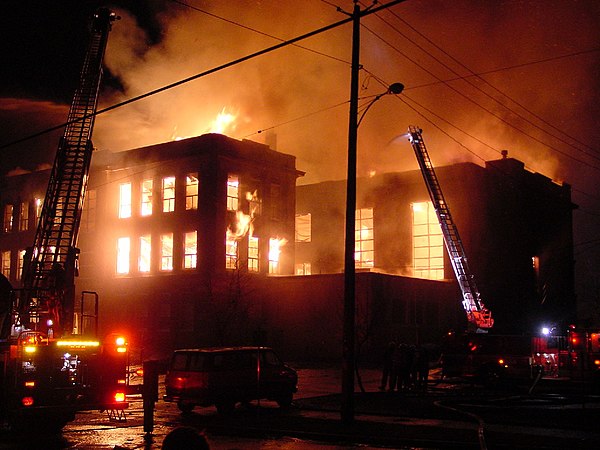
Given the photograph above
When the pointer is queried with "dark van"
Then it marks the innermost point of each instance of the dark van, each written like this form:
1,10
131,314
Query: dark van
226,376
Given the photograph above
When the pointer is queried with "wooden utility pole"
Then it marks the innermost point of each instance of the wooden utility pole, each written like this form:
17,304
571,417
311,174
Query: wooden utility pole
348,351
347,409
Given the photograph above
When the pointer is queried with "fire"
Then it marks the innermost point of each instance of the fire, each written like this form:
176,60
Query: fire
275,245
241,227
223,122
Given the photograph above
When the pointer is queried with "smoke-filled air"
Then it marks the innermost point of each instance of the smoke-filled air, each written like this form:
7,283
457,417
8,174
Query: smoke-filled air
479,77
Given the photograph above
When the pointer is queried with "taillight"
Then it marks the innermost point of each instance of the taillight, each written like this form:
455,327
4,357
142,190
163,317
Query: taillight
119,397
121,344
27,401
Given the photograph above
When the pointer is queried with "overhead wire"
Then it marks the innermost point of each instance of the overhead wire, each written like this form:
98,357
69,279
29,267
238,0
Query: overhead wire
461,144
587,194
257,31
282,44
511,67
466,97
520,104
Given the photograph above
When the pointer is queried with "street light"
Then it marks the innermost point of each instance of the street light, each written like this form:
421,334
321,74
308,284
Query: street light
395,88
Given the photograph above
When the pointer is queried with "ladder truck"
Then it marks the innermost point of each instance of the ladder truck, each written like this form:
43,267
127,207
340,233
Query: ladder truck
52,363
479,318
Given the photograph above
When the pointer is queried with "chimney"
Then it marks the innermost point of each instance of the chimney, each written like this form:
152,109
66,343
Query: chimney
271,139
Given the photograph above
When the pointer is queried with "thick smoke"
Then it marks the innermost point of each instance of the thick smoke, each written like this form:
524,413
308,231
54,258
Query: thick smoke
275,89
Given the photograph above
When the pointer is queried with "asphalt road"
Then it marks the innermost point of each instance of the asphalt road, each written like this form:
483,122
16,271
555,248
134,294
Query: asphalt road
556,414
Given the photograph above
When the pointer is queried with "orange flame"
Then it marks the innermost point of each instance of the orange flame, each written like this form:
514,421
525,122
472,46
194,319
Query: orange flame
224,123
241,227
275,245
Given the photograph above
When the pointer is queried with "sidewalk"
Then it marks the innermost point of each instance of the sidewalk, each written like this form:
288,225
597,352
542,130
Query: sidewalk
403,422
445,417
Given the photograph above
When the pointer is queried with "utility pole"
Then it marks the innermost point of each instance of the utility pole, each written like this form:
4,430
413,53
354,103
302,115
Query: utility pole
348,350
347,407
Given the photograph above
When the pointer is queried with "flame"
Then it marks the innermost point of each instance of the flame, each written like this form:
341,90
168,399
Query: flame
223,122
275,245
252,198
241,227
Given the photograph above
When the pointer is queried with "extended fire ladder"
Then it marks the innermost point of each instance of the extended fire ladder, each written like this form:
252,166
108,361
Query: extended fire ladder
479,318
51,262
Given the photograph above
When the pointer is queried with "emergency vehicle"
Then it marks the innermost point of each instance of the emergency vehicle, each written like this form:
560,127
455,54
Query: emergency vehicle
52,363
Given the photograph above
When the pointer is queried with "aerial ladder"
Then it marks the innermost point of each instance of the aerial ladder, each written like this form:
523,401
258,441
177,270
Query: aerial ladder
479,318
48,370
50,265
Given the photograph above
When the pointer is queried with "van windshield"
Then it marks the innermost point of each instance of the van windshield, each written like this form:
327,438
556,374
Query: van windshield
179,361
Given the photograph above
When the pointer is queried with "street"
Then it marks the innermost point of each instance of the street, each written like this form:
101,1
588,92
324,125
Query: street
450,415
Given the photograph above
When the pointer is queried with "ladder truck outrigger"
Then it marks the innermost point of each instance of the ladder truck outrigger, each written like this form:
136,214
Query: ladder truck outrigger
52,362
479,318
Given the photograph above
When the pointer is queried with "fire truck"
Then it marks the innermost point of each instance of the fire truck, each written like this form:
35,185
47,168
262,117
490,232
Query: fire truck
490,357
474,353
478,316
52,363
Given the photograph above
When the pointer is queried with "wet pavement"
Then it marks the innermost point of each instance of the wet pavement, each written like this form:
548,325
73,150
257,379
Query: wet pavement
555,415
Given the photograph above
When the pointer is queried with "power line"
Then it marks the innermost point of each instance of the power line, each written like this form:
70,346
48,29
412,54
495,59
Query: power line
254,30
210,71
501,69
482,106
541,119
424,116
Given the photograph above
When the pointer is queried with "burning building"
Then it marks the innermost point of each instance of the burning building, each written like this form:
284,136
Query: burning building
516,227
208,241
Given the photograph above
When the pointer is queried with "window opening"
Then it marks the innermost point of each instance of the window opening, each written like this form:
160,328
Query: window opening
145,253
364,251
303,228
124,200
231,253
190,250
6,264
123,249
166,252
428,242
303,268
191,191
275,245
233,187
20,264
8,218
147,186
24,216
168,194
253,254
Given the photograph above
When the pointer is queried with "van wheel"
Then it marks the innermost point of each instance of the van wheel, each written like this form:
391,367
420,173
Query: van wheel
285,400
185,408
225,407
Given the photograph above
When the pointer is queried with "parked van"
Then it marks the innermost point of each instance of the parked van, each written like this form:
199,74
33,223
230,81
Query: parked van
226,376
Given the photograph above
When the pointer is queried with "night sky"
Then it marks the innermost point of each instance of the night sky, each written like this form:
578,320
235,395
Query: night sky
480,77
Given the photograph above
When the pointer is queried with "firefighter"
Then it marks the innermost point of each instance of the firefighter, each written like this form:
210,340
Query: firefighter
388,362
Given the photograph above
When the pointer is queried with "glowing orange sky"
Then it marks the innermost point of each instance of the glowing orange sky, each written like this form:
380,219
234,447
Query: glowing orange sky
546,114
